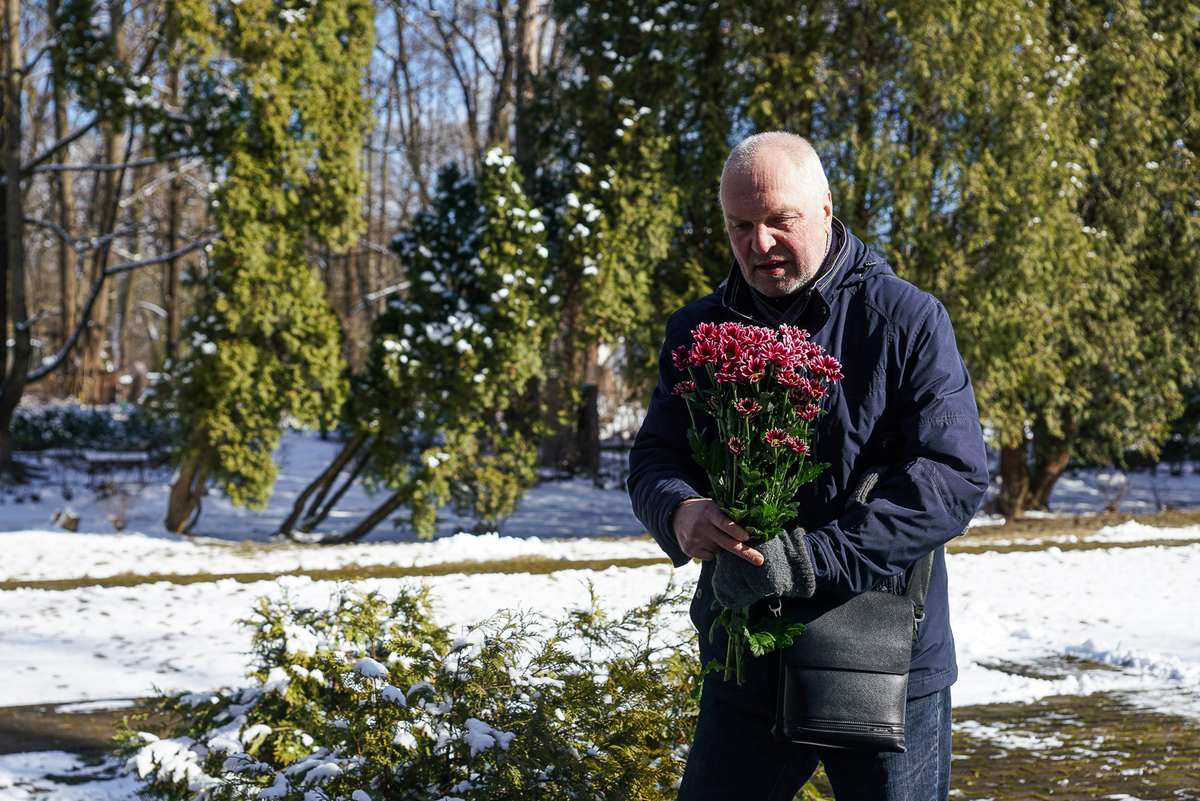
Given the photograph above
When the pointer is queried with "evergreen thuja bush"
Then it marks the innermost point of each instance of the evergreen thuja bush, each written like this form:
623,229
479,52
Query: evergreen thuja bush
370,699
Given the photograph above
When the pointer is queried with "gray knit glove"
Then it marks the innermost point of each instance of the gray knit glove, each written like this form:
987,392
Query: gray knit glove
786,571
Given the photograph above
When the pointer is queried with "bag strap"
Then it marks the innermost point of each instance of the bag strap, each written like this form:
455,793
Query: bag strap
918,585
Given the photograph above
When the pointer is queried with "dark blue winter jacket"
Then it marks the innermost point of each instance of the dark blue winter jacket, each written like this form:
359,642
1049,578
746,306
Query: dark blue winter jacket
902,375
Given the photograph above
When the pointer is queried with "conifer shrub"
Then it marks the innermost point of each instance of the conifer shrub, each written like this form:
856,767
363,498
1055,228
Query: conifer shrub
444,391
371,699
101,428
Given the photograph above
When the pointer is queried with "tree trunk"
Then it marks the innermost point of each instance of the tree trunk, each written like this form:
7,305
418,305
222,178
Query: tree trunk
315,517
12,273
67,282
183,507
322,481
587,432
371,521
527,69
171,271
498,115
1045,476
1014,478
119,336
93,351
410,120
1050,457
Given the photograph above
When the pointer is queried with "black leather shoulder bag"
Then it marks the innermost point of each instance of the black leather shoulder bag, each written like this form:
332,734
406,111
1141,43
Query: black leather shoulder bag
843,682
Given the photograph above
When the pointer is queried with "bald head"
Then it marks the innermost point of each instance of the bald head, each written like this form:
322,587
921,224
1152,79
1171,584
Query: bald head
750,154
775,200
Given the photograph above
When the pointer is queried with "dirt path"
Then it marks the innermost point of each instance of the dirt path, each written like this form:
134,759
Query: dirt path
1073,748
44,728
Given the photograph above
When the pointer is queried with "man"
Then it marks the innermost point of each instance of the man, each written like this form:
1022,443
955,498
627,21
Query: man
905,400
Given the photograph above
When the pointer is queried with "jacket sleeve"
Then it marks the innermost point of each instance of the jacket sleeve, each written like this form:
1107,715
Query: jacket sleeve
931,493
661,470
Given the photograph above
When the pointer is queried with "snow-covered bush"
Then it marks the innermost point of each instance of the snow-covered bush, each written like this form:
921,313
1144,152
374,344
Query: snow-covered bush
370,700
444,392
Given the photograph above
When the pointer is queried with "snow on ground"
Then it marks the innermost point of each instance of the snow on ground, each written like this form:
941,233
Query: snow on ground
49,555
1131,609
1127,607
31,776
553,509
97,643
561,509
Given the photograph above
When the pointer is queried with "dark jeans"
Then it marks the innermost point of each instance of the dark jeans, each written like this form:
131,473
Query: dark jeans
735,757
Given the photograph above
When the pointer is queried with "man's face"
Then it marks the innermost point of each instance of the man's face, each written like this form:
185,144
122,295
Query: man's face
777,226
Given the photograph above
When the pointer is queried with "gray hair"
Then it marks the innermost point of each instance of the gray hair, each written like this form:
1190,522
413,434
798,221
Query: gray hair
796,148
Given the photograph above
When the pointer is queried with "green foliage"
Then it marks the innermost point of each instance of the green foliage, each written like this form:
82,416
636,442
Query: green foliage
282,92
371,699
766,635
643,102
443,392
85,52
101,428
1029,163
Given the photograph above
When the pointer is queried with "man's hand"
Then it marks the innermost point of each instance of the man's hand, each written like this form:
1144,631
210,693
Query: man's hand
702,530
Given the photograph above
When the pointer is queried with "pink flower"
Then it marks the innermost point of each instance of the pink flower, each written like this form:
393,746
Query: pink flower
757,338
776,353
808,412
804,353
788,378
704,353
752,369
812,389
828,368
747,407
792,337
684,388
736,446
776,438
798,446
730,348
705,332
729,374
806,391
682,358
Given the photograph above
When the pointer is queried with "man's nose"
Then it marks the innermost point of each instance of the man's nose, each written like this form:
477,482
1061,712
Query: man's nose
764,240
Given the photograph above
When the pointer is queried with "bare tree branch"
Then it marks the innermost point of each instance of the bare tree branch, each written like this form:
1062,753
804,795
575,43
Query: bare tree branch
61,143
146,162
162,179
27,324
174,254
75,241
51,364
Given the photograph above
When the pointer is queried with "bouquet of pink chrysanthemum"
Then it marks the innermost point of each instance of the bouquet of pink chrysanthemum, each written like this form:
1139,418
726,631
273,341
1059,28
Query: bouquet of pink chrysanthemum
764,390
